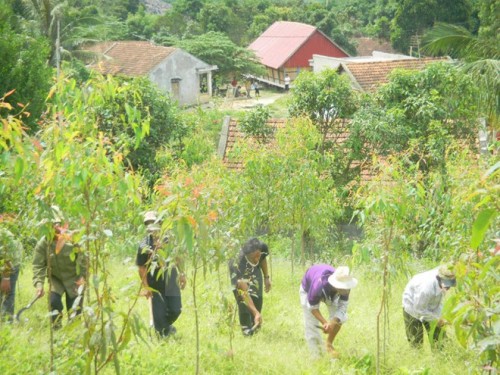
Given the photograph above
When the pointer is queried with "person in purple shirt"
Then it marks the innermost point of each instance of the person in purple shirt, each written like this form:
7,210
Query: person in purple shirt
323,283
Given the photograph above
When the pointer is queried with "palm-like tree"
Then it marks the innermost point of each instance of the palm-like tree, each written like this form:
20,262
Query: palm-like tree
67,34
477,56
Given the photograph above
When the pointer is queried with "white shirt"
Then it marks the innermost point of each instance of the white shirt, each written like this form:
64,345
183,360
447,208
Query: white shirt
423,297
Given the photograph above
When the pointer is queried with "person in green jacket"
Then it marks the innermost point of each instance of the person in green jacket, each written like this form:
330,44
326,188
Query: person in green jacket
11,251
64,265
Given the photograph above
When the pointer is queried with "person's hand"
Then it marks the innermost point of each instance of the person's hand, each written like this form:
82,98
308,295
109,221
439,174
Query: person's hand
5,286
40,291
146,292
325,327
267,284
257,320
182,280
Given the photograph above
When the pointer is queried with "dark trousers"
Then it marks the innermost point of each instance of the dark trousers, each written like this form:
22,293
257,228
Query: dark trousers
166,310
415,331
8,300
244,314
56,306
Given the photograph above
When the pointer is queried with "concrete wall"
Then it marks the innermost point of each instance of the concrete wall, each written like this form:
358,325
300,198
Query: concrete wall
182,66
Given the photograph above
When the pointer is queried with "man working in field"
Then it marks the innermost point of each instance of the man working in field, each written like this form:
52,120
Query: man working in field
323,283
423,303
64,264
161,281
247,272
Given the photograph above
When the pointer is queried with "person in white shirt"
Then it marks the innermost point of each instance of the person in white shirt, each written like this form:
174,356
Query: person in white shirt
423,304
287,82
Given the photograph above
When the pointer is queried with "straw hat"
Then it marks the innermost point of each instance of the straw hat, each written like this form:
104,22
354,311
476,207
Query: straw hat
342,279
150,217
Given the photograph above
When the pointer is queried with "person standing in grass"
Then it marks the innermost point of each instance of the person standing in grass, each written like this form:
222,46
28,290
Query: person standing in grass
423,303
323,283
11,252
248,273
64,264
161,281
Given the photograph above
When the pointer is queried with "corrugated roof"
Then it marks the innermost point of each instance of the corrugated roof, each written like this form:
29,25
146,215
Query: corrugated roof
280,41
369,76
131,58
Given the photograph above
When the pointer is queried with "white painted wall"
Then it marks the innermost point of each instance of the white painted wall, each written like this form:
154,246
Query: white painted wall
183,66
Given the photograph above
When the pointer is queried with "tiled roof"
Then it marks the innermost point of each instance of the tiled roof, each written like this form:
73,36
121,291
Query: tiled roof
280,41
369,76
233,134
131,58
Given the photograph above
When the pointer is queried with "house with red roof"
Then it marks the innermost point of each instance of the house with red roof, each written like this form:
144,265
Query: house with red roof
368,76
173,70
368,73
285,48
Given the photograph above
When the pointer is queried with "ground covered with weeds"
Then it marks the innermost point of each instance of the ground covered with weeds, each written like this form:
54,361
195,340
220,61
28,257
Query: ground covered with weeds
279,347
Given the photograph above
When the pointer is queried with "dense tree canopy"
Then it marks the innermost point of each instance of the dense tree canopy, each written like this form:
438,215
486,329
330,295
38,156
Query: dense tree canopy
23,67
217,49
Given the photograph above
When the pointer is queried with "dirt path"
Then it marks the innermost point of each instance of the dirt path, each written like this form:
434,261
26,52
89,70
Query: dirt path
249,103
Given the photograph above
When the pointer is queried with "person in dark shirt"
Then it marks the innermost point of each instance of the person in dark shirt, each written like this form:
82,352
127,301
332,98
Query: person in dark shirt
323,283
248,271
161,281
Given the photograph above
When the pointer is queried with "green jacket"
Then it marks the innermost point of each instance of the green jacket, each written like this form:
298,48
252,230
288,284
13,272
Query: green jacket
64,271
11,252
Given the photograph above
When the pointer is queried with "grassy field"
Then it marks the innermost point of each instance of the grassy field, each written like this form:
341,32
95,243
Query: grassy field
279,348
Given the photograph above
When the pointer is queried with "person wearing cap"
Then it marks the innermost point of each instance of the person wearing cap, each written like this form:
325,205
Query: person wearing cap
323,283
423,302
162,282
11,251
249,273
67,265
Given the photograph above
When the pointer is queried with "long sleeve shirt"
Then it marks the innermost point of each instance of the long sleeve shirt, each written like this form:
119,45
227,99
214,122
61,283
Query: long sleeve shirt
66,267
423,298
11,251
315,284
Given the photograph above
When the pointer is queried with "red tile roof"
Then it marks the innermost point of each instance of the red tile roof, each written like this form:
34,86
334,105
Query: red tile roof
131,58
280,41
234,134
369,76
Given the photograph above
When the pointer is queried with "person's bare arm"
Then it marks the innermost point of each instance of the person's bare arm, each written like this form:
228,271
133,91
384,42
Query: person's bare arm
265,271
243,289
143,273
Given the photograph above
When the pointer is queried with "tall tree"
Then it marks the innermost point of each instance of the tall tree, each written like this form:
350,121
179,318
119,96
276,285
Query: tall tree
414,17
23,68
217,49
324,98
479,56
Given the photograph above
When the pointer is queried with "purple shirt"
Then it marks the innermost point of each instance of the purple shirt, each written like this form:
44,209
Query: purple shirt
315,283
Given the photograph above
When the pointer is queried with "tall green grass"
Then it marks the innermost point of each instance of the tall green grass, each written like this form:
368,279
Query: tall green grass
279,348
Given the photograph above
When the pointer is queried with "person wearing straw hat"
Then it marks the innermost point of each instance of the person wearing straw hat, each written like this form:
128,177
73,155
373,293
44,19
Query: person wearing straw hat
162,282
423,303
323,283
